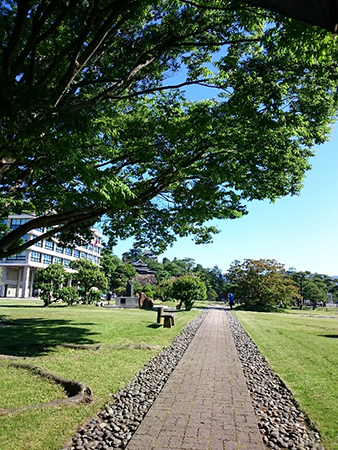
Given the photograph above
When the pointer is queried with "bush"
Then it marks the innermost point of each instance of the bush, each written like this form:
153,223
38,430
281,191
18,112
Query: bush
94,296
69,294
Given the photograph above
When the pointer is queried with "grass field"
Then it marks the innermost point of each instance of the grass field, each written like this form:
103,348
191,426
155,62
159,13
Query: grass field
316,312
303,350
39,334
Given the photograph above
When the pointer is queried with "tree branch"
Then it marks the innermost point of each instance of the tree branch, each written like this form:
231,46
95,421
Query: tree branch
39,20
105,95
20,21
98,39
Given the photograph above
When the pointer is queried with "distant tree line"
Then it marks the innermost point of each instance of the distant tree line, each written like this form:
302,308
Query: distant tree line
264,284
260,285
180,280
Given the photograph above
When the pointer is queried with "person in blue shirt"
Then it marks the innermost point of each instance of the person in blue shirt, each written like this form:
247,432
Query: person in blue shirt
231,299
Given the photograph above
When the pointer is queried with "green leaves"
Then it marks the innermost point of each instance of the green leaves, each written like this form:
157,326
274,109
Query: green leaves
88,276
94,120
261,284
188,289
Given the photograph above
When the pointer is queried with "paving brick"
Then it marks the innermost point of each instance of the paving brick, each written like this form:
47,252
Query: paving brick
211,412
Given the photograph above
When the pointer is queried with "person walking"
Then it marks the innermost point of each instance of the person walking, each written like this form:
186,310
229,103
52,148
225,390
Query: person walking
231,299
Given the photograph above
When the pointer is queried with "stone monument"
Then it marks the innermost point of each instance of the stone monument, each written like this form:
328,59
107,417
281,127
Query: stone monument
128,301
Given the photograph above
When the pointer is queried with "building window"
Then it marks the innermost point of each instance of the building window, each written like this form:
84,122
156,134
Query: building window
41,229
49,245
90,257
58,248
76,254
68,251
38,244
47,259
66,262
90,247
83,255
57,260
36,256
16,223
18,257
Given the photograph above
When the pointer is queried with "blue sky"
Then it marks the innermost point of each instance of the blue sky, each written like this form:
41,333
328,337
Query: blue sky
299,231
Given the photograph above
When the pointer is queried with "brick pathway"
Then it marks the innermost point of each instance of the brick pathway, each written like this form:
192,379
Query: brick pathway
205,404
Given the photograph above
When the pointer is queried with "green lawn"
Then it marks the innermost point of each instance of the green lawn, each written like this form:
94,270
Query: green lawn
39,334
317,312
303,350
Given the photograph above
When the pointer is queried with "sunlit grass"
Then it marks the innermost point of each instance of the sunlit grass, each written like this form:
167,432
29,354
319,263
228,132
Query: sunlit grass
29,330
322,311
303,350
19,388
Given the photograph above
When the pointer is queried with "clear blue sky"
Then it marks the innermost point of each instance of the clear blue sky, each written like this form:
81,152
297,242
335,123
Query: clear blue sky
299,231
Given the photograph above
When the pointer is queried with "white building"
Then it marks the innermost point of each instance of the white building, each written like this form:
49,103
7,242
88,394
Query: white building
18,271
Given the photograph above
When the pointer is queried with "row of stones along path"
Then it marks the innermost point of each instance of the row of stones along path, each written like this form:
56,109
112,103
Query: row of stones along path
205,404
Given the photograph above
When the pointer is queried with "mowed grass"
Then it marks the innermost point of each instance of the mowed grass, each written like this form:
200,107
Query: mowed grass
322,311
303,351
39,334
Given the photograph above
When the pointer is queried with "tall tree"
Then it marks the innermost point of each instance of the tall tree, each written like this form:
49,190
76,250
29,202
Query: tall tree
261,284
94,122
313,286
214,281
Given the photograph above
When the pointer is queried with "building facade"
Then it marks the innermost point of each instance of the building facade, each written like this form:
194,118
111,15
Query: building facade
18,271
144,274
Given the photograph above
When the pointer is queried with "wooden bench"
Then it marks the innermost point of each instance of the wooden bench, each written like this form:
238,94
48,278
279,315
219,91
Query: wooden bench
168,319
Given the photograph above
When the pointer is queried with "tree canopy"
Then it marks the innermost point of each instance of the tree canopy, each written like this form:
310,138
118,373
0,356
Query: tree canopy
261,284
314,287
94,121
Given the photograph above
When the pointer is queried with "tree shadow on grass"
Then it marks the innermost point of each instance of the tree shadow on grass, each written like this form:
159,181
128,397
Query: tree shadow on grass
37,337
22,306
332,336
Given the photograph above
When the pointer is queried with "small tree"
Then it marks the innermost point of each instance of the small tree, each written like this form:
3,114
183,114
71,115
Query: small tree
165,290
211,294
189,288
148,289
50,281
261,284
88,275
94,295
109,263
69,294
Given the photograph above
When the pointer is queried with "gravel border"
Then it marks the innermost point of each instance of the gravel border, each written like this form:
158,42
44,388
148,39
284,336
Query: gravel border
280,420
